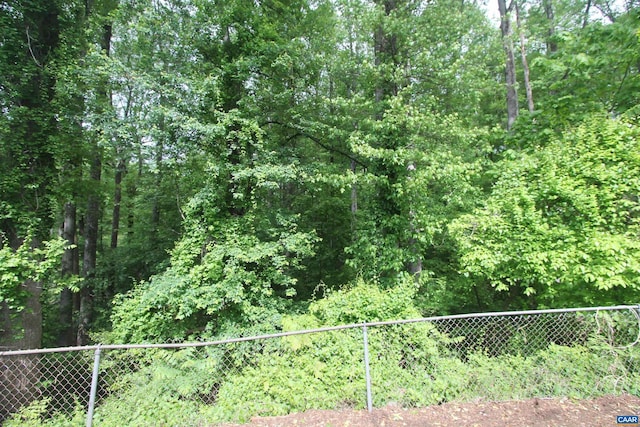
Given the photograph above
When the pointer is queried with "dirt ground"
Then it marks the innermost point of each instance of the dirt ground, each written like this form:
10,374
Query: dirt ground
600,412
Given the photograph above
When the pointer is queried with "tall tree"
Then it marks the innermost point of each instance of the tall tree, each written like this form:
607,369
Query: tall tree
70,269
33,43
510,62
552,45
523,58
593,70
100,107
426,79
27,153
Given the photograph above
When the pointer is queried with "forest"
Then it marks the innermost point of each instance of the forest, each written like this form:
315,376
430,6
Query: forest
174,170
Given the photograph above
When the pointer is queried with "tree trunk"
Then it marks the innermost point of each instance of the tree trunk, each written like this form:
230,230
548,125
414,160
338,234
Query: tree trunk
585,17
23,329
415,264
31,32
31,317
69,268
20,376
155,210
117,199
132,190
92,216
389,55
89,263
525,63
552,46
354,191
385,52
510,66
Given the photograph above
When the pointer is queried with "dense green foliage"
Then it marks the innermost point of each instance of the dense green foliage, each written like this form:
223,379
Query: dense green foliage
412,365
26,263
178,170
561,223
216,167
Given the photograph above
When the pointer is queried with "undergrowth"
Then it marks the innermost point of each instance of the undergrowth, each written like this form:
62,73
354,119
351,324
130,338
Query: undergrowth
411,365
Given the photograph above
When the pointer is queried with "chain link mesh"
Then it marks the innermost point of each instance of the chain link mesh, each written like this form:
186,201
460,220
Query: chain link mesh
411,363
63,380
574,354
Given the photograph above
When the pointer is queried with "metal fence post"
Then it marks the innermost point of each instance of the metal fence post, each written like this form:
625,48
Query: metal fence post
367,374
94,385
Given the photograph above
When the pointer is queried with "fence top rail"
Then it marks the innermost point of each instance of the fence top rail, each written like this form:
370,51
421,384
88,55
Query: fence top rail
634,308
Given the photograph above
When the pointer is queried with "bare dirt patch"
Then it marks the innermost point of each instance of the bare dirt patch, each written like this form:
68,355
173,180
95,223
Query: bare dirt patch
600,412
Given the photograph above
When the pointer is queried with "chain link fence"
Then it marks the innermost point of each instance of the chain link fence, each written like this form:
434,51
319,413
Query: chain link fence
576,353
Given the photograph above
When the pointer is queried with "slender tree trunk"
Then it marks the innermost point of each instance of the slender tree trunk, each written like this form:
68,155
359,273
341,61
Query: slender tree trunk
415,264
552,46
354,191
525,63
585,17
70,257
69,268
510,66
385,53
92,217
121,170
132,190
89,263
155,210
117,200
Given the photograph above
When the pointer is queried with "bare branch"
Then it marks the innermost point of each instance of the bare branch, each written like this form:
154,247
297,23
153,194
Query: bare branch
31,50
317,140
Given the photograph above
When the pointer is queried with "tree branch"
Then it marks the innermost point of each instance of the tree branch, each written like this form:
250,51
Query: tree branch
30,49
317,141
